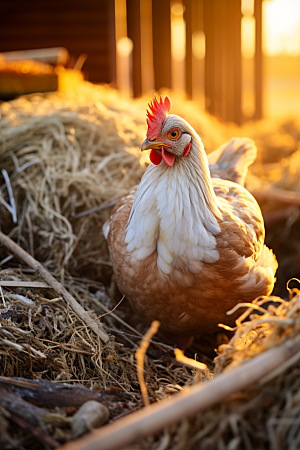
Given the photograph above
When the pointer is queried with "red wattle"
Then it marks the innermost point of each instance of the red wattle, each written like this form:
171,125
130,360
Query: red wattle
186,151
168,157
155,158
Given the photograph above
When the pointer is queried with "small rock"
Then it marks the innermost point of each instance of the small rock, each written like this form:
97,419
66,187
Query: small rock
90,415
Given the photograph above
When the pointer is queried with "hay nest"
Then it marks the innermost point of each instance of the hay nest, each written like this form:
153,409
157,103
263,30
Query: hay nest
66,159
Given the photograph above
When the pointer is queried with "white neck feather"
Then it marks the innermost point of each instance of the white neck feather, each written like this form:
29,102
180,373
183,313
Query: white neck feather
175,213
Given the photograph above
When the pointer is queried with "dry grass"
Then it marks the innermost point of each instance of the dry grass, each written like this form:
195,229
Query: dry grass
67,159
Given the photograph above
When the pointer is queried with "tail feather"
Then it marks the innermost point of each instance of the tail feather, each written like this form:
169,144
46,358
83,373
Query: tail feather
232,159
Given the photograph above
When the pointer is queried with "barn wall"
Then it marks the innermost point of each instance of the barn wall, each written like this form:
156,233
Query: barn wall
80,26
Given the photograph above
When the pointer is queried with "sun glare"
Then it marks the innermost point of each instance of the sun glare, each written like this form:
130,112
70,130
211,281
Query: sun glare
281,27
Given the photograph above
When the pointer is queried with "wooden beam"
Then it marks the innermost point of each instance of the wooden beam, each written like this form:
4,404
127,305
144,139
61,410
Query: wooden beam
258,64
234,62
223,64
219,57
238,62
188,17
147,47
134,33
112,45
209,73
161,23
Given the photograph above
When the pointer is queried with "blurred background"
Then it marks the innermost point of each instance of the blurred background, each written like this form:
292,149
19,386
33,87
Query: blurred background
239,59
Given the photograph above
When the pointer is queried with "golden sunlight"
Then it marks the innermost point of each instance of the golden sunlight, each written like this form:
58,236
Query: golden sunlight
281,27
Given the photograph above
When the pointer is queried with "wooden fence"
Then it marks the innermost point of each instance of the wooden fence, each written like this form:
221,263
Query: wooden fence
220,21
95,27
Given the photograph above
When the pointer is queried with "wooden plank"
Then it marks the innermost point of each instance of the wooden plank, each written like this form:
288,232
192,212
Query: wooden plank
147,47
112,48
230,66
81,27
193,12
134,33
234,63
209,72
161,24
218,58
258,60
224,51
61,33
238,63
222,27
188,17
198,64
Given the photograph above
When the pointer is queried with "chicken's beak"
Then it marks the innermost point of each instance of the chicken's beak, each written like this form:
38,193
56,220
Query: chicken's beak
146,145
149,145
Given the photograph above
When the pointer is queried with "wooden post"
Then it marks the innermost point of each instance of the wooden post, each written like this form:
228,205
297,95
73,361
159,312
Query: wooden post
193,16
112,45
223,64
258,67
161,22
234,63
134,33
147,47
209,74
188,17
224,69
218,57
238,62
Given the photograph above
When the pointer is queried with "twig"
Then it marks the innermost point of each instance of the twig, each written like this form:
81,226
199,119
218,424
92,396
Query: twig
11,196
53,394
115,307
95,209
119,319
179,355
140,354
186,403
137,333
23,284
40,270
31,244
2,296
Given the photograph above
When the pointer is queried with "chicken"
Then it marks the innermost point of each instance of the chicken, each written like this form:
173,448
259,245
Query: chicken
187,244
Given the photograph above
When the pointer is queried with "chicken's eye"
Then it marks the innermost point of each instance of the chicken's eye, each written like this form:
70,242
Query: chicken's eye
174,134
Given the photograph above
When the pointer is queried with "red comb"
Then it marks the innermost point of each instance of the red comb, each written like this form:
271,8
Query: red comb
156,114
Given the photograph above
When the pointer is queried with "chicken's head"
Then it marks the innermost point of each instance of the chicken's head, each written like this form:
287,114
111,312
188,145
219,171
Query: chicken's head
168,136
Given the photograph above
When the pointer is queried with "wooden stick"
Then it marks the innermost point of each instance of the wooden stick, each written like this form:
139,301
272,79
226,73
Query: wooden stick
186,403
25,284
50,394
140,356
180,357
59,288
